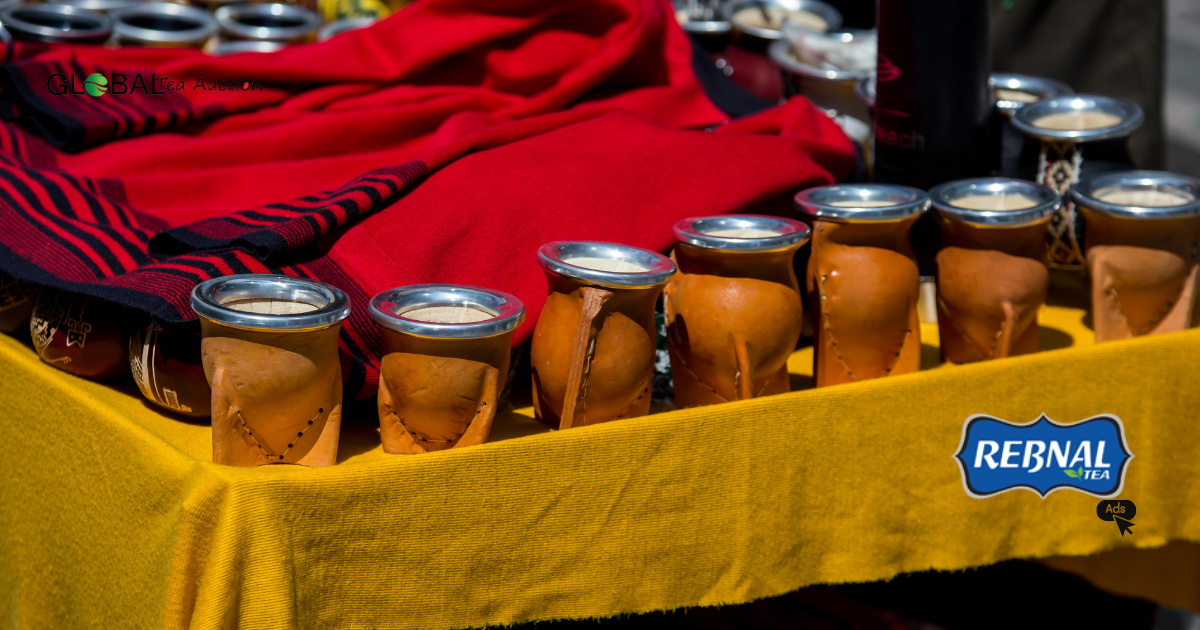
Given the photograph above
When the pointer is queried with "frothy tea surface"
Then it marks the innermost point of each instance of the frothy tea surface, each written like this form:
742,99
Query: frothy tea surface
1002,94
743,233
863,204
447,314
269,306
994,202
605,264
753,16
1077,121
1144,198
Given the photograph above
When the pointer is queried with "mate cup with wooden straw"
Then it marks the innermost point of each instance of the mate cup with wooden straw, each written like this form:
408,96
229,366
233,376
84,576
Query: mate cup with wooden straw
269,345
1143,234
992,275
446,352
1068,127
863,280
593,347
733,307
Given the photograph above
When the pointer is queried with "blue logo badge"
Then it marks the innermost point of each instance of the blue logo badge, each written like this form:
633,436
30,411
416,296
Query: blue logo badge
1043,456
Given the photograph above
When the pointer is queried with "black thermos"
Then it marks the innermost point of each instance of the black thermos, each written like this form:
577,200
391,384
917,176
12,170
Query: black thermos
932,102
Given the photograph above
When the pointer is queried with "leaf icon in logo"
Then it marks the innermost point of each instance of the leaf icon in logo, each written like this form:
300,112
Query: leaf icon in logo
95,84
1071,473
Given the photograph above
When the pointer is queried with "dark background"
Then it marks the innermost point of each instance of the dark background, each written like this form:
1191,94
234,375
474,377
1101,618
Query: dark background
1144,50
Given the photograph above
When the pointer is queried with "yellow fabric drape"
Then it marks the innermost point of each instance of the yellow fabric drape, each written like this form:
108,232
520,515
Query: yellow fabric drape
111,515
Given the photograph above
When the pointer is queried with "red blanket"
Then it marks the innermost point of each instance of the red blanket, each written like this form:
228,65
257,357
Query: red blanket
443,144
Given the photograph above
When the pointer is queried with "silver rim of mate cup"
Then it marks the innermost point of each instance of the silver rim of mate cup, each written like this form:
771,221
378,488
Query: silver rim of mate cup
294,23
696,232
1086,194
337,27
944,195
40,22
865,89
197,24
718,25
659,268
832,17
209,297
388,308
1127,111
235,47
780,52
1038,86
903,202
100,6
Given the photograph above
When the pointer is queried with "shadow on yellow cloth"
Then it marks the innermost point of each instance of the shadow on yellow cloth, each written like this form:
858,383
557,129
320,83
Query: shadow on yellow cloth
112,516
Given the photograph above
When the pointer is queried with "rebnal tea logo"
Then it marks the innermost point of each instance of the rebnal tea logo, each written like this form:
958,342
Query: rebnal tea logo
1043,456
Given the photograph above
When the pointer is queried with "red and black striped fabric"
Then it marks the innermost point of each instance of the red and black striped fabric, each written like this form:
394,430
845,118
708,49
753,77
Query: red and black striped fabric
395,155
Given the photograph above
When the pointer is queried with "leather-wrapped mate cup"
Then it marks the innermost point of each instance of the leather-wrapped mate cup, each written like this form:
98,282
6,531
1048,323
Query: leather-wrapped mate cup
80,335
1143,234
992,276
17,298
269,345
733,307
1078,136
165,361
446,351
593,347
863,280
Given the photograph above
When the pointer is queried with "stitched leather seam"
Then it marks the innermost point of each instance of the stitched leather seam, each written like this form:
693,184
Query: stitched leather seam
829,330
895,361
1158,319
697,378
289,446
963,334
587,368
645,389
417,436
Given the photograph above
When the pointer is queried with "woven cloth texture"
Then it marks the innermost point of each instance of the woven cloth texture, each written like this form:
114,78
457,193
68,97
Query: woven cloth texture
114,517
443,144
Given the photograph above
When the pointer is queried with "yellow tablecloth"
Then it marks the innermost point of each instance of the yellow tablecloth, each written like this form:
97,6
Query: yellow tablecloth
111,515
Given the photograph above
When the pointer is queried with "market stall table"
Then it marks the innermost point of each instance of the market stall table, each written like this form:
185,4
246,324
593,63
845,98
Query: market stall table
116,516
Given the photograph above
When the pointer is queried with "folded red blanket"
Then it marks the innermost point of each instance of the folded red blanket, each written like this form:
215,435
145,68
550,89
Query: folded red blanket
430,147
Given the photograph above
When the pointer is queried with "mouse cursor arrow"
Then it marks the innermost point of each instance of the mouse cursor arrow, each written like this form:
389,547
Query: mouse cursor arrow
1124,525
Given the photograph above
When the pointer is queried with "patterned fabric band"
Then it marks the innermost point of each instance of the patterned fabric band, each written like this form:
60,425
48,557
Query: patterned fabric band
1058,168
